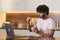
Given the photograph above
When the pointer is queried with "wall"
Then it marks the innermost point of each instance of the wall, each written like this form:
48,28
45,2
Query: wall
28,5
32,4
12,5
6,5
2,18
56,6
18,5
0,5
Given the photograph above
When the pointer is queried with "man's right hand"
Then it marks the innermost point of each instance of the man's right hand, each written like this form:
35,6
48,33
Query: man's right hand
28,24
34,29
28,19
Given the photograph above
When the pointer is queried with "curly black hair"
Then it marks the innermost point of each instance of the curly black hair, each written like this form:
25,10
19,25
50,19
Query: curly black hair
43,9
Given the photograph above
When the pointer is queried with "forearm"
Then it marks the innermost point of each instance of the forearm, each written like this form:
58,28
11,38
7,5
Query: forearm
44,35
28,27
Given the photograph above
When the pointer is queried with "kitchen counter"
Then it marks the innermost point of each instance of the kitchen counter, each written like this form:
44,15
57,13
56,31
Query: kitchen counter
18,31
26,29
4,37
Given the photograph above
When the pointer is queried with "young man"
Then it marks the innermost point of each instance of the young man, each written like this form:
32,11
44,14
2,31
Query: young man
44,26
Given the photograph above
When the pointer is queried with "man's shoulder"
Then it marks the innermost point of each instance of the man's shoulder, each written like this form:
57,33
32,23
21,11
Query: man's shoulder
51,20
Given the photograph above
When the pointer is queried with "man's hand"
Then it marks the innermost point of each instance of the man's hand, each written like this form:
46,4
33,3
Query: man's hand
28,19
34,29
50,33
28,24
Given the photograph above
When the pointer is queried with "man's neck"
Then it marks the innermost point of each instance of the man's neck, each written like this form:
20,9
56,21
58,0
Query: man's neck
46,17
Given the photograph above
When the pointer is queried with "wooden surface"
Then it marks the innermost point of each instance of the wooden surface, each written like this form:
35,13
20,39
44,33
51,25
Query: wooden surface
3,37
18,20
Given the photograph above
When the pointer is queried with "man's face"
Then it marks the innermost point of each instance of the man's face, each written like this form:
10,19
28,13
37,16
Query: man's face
41,15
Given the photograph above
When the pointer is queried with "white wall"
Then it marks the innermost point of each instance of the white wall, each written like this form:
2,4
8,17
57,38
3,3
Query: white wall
18,5
56,5
13,5
0,5
32,4
6,5
2,18
28,5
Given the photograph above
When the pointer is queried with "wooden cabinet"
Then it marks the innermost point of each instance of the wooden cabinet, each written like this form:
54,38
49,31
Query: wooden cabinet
18,20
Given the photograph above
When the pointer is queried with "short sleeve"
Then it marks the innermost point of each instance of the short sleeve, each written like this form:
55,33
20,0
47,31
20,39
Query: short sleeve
52,25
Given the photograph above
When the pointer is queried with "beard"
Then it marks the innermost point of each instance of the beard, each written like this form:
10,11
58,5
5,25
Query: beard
42,16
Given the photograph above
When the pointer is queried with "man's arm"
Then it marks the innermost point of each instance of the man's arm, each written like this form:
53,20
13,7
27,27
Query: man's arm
50,33
28,24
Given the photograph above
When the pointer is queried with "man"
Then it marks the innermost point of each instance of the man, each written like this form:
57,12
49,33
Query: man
44,25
